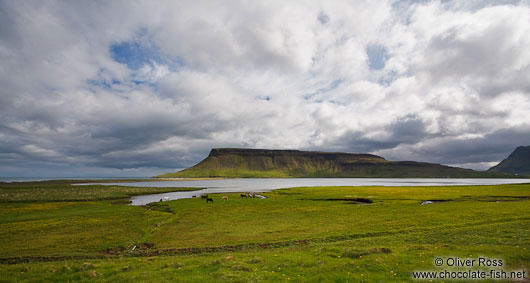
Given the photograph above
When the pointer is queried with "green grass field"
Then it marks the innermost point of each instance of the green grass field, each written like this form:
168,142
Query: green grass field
317,234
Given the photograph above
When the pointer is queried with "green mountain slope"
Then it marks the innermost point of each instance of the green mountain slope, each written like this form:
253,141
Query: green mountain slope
518,162
264,163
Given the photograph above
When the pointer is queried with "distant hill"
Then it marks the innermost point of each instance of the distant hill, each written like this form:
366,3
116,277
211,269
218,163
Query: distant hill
265,163
518,162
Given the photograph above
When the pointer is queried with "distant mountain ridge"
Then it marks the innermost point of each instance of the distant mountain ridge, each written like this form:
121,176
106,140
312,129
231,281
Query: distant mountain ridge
518,162
268,163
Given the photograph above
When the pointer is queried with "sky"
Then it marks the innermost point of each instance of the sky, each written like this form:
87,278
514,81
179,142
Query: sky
139,88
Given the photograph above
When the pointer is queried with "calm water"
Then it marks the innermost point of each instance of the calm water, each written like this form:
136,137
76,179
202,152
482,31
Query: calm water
264,185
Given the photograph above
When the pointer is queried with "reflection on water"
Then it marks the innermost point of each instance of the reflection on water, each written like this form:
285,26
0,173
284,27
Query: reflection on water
264,185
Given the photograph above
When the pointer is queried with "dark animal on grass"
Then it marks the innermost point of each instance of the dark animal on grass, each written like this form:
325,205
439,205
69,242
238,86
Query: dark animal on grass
209,200
244,196
204,196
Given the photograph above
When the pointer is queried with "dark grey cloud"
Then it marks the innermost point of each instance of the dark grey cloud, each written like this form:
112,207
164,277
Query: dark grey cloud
409,129
358,143
483,151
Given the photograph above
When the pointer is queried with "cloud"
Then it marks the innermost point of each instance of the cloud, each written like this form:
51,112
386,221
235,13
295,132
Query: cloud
480,49
476,151
135,86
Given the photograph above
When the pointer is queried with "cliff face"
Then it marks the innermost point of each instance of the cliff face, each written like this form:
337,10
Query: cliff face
518,162
265,163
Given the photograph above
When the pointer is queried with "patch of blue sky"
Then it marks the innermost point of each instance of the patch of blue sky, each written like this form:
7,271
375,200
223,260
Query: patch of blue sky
467,5
141,51
479,4
336,102
333,85
377,56
323,18
101,83
410,2
387,78
134,54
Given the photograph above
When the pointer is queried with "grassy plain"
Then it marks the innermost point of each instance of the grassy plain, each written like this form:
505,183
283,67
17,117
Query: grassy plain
329,234
68,190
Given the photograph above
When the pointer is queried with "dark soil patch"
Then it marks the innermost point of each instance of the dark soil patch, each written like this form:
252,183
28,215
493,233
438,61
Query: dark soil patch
351,200
162,207
143,248
113,251
26,259
497,198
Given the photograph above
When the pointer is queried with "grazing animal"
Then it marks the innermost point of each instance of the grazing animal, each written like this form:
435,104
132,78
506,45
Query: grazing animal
193,196
244,196
166,198
209,200
204,196
225,197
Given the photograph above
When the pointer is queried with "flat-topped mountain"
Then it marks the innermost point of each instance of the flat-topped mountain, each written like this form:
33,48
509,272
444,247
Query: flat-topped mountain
518,162
266,163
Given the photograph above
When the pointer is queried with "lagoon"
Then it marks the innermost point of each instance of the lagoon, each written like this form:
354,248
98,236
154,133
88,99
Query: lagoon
268,184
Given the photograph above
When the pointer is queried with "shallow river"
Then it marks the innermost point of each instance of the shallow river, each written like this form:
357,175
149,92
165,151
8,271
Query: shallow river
264,185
